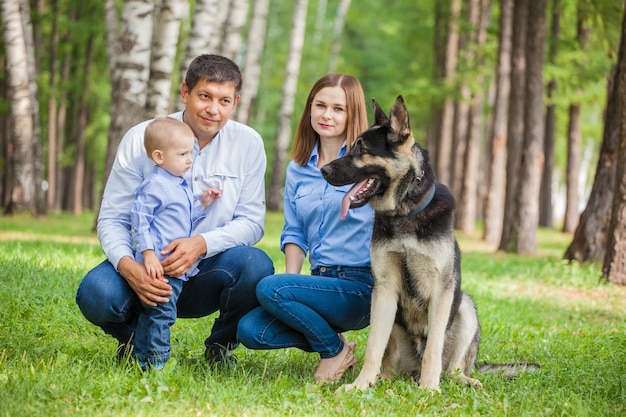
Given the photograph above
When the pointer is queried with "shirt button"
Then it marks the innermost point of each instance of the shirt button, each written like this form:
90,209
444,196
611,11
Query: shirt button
323,268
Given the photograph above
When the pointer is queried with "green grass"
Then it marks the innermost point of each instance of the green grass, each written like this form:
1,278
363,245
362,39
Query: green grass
532,309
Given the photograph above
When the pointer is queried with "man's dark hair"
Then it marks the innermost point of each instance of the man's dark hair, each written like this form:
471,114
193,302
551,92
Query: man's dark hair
213,68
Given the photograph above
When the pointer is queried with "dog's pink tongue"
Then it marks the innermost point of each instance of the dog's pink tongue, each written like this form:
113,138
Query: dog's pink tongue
346,201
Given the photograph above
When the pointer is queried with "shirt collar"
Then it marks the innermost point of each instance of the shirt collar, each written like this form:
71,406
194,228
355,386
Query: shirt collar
315,153
166,175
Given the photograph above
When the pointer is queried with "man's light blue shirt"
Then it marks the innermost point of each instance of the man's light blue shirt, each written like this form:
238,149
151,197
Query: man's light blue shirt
234,162
312,207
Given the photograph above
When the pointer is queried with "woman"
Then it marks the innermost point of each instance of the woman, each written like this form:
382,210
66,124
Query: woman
310,312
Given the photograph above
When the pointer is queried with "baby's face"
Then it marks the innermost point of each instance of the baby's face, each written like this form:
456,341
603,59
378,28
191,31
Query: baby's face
177,156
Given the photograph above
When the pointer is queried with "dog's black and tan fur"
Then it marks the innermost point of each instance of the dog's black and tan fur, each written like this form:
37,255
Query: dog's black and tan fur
421,322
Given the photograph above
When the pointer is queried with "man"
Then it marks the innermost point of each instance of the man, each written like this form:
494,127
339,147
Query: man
227,155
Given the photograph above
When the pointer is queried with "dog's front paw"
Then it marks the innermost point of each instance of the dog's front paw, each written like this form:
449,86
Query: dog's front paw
360,384
430,384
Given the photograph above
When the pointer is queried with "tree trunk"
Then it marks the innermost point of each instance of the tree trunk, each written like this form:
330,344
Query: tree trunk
342,10
52,109
133,69
614,266
62,178
238,14
515,131
283,136
113,47
574,149
252,66
470,179
78,174
496,190
444,148
216,41
22,127
574,145
159,96
532,155
439,41
203,31
546,215
6,169
38,166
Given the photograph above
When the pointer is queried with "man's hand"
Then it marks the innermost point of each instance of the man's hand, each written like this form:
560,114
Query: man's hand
149,290
182,255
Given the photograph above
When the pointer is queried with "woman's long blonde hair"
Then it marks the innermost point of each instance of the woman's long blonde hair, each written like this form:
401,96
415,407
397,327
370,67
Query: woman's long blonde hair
356,122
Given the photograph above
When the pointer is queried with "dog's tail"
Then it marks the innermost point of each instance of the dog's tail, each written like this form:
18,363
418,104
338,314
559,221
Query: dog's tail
508,370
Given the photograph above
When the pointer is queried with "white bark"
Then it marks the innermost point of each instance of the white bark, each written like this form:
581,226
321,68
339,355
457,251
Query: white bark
23,187
283,135
162,58
216,41
236,21
203,30
133,69
340,18
252,65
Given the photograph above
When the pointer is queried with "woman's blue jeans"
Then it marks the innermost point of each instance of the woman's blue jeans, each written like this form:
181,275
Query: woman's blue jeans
226,282
308,312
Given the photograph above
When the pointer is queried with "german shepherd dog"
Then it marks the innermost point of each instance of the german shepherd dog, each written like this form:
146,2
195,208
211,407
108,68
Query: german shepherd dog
421,322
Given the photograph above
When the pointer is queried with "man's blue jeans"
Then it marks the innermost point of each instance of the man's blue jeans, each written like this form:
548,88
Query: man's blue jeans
226,282
308,312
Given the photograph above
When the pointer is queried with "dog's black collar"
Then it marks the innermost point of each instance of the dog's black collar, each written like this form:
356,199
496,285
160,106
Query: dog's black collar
424,202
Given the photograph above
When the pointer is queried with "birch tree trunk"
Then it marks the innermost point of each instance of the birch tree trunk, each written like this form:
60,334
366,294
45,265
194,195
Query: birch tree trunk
133,69
216,41
159,96
283,136
527,217
22,127
252,65
335,48
614,267
236,21
515,130
202,32
496,190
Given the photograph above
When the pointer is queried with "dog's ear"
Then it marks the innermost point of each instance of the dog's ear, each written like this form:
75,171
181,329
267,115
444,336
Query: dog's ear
380,118
400,126
400,119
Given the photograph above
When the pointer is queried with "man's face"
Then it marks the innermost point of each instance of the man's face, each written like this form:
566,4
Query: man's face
208,107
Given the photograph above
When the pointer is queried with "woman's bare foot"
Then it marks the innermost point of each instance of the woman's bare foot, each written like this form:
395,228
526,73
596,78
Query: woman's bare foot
332,369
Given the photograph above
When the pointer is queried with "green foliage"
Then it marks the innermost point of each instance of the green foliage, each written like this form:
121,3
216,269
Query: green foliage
390,47
53,362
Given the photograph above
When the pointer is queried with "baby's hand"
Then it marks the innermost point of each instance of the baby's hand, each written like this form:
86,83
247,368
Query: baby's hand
152,264
208,196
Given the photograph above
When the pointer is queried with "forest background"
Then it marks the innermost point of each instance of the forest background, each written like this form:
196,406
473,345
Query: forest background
511,97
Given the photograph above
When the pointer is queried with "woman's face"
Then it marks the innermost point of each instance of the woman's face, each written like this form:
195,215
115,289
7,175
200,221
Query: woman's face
329,113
